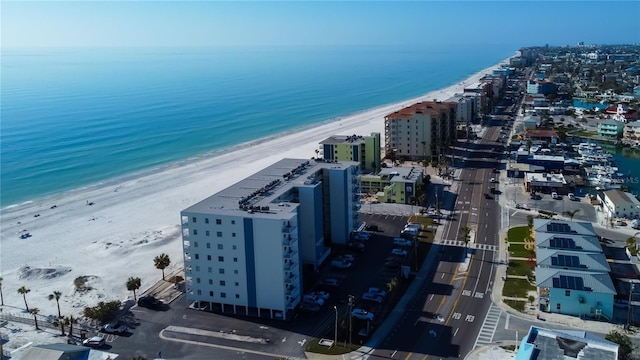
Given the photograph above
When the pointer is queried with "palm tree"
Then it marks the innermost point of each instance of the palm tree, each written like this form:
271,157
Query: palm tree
60,323
56,295
1,297
161,262
571,213
70,320
24,291
139,358
133,284
35,312
465,233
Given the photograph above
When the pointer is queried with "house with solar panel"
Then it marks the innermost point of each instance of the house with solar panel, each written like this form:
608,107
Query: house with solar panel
572,273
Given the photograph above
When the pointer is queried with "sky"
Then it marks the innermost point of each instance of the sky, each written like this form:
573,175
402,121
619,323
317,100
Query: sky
243,23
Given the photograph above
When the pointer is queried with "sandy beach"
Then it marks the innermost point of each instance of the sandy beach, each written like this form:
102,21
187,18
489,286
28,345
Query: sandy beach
111,231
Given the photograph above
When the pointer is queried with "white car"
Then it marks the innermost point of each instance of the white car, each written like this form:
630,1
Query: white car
313,299
362,314
372,297
377,291
399,252
493,180
341,263
401,242
94,342
321,294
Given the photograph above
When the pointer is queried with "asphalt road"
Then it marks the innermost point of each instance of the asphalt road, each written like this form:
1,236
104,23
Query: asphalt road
444,319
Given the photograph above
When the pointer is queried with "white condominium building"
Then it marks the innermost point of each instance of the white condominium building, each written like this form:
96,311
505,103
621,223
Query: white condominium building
247,247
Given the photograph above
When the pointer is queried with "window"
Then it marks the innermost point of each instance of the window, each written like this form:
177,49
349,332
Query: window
237,296
235,271
211,293
196,256
195,232
206,220
221,271
208,245
223,283
219,246
233,234
218,222
197,268
567,293
210,281
197,280
210,269
223,295
234,247
221,258
193,219
233,222
206,233
199,292
195,244
558,306
237,283
209,257
235,259
219,234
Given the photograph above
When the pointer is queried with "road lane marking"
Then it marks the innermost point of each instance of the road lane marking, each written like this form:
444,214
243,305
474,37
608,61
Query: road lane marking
456,332
431,297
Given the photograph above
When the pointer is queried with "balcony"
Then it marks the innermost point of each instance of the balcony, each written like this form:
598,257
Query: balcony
288,229
187,257
186,245
291,253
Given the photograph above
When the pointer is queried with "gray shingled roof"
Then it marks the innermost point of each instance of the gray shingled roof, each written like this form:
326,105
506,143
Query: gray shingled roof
597,281
589,261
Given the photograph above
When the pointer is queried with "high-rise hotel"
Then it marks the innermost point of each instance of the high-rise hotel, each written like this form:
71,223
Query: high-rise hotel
247,247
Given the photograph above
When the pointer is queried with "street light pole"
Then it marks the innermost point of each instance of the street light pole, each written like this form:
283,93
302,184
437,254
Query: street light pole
335,337
351,297
630,306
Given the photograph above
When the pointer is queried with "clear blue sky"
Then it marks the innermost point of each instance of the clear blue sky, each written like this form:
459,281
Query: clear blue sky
203,23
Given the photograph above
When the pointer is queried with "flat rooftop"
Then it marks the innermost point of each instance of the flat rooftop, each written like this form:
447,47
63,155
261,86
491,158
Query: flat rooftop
343,139
267,193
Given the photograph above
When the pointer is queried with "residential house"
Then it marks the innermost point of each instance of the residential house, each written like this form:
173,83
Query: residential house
610,128
422,131
247,247
362,149
572,274
541,343
393,185
619,204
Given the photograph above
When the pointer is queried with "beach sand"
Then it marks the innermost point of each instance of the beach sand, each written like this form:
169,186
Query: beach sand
111,231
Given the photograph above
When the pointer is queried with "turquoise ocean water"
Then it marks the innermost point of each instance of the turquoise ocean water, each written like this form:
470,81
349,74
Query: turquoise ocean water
76,117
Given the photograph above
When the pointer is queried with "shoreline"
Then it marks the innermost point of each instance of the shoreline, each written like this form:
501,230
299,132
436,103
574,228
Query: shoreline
134,218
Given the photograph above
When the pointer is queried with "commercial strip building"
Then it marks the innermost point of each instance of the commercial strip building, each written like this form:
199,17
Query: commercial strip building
393,185
549,344
362,149
247,247
545,182
572,273
421,131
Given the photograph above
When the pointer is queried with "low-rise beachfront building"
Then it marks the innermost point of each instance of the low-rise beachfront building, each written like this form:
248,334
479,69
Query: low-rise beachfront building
631,132
572,274
421,131
610,128
540,343
545,182
247,247
362,149
393,185
619,204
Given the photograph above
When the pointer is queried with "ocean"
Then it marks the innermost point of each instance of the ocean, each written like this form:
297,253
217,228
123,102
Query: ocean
78,117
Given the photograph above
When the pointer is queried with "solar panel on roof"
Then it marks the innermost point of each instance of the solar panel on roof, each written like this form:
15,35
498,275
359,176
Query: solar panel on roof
566,261
569,282
558,228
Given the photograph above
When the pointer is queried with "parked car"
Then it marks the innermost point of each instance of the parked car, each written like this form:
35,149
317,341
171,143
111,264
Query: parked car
372,297
330,282
312,298
150,302
341,263
348,257
113,328
94,342
362,314
362,236
358,246
399,252
401,242
322,294
493,180
377,291
621,223
372,228
393,264
573,197
308,307
555,196
410,232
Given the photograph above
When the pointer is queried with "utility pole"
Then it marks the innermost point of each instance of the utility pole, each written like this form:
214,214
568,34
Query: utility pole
629,320
335,334
351,298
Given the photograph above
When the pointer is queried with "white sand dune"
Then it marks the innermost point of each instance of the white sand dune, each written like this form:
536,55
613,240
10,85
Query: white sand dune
133,220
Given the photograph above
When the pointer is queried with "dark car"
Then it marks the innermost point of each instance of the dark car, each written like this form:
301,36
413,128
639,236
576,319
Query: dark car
373,228
150,302
114,328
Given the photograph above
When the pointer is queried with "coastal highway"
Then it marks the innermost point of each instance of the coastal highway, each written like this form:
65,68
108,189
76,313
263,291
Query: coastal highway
444,319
